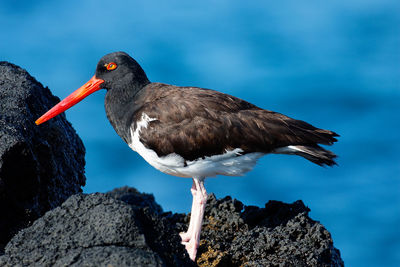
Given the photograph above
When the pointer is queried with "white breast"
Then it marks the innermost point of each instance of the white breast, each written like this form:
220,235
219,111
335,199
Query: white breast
230,163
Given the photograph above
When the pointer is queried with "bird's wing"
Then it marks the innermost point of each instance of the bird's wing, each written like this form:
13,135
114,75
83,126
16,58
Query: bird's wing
195,123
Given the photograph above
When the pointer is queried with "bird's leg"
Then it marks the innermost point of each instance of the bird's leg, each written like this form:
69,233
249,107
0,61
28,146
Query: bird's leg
196,220
186,236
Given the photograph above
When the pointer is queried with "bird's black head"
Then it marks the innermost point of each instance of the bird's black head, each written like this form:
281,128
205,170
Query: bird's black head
118,69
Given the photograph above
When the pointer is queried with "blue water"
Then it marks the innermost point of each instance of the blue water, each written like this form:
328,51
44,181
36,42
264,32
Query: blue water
335,65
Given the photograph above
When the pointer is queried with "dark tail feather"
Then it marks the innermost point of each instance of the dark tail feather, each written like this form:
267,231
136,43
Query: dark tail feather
313,134
313,153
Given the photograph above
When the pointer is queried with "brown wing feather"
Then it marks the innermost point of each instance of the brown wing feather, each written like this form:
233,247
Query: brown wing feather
195,122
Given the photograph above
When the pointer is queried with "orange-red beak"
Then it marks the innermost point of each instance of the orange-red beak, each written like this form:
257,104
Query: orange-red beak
88,88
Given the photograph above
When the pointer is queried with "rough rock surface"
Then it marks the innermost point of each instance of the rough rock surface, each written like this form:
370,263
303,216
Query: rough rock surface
40,166
127,228
277,235
116,229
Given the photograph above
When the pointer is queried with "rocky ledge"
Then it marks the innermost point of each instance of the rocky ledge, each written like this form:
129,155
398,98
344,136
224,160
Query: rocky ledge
127,228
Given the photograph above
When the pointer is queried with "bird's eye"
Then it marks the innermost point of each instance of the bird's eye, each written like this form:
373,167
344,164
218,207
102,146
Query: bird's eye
111,66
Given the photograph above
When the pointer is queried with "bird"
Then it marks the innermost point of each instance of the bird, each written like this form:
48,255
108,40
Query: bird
194,132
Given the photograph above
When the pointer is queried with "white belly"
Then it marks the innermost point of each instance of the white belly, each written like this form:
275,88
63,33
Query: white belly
230,163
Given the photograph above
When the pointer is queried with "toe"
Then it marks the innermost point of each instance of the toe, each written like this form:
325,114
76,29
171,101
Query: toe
191,248
185,237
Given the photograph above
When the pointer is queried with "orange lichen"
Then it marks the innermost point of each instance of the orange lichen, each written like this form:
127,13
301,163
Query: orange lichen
211,257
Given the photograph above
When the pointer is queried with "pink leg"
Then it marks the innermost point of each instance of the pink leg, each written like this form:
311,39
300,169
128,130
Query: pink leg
186,236
192,239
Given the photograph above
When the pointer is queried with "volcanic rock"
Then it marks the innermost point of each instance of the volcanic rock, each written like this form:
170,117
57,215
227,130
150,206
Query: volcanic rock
40,166
127,228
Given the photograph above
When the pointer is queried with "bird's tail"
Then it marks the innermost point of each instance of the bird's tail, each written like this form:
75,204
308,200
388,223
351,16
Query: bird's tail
313,153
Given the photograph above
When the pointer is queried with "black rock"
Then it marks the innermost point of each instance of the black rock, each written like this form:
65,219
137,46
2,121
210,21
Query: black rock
127,228
99,230
278,235
40,166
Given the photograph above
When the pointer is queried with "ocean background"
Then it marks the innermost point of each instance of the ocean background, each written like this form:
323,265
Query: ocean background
335,64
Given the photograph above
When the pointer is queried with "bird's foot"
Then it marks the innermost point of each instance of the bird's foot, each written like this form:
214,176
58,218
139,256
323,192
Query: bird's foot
191,248
191,244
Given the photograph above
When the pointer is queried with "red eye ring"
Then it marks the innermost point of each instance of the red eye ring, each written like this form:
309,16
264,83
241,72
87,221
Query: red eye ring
111,66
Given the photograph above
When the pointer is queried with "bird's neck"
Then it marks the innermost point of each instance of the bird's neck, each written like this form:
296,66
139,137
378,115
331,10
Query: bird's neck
121,104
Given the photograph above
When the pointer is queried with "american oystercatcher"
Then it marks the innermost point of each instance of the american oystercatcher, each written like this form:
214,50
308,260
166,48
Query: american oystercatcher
194,132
